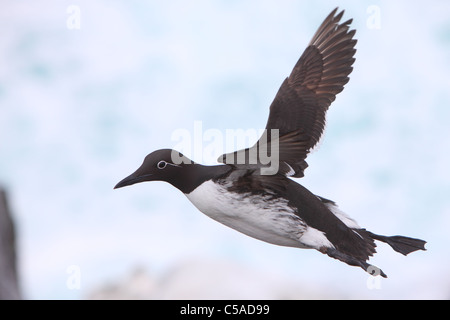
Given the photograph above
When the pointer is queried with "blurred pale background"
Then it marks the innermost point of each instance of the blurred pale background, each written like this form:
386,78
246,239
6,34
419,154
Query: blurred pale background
88,88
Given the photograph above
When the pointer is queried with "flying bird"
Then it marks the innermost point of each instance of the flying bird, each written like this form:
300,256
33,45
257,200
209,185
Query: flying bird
263,201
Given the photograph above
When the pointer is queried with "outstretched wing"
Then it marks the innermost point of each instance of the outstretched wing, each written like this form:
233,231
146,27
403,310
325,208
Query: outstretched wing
304,97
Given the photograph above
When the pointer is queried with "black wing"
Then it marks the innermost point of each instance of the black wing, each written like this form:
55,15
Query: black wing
304,97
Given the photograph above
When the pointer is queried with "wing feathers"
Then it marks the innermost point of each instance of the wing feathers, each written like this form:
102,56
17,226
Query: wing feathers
304,97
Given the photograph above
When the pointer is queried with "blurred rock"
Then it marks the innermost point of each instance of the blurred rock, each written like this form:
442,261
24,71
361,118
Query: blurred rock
9,288
135,286
209,280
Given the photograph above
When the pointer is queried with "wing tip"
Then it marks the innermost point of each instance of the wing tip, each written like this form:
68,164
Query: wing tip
329,25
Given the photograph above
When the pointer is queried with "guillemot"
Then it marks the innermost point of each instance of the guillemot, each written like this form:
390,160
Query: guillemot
269,205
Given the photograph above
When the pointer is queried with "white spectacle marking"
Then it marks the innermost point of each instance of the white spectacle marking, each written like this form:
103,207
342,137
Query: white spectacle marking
173,164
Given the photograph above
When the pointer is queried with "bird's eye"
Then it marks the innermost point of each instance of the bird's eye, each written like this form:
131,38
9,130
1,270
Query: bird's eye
161,165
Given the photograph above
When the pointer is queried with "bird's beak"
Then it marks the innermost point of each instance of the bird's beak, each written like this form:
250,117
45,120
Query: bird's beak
132,179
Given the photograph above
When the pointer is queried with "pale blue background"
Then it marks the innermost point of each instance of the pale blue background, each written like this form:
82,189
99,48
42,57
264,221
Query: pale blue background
79,110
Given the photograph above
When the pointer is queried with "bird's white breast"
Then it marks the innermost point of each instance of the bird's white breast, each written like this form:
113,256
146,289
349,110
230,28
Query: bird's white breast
260,217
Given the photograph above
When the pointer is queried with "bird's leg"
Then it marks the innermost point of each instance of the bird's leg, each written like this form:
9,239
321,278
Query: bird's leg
372,270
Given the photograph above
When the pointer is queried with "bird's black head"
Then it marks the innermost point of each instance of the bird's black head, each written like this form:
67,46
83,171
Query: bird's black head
161,165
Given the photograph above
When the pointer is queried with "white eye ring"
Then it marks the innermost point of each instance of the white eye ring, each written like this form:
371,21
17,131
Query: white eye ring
161,165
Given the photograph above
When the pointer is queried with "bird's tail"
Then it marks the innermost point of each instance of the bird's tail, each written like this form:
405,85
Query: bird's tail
404,245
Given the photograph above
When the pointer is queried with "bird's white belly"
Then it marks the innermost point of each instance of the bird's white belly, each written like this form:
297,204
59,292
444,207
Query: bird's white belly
260,217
